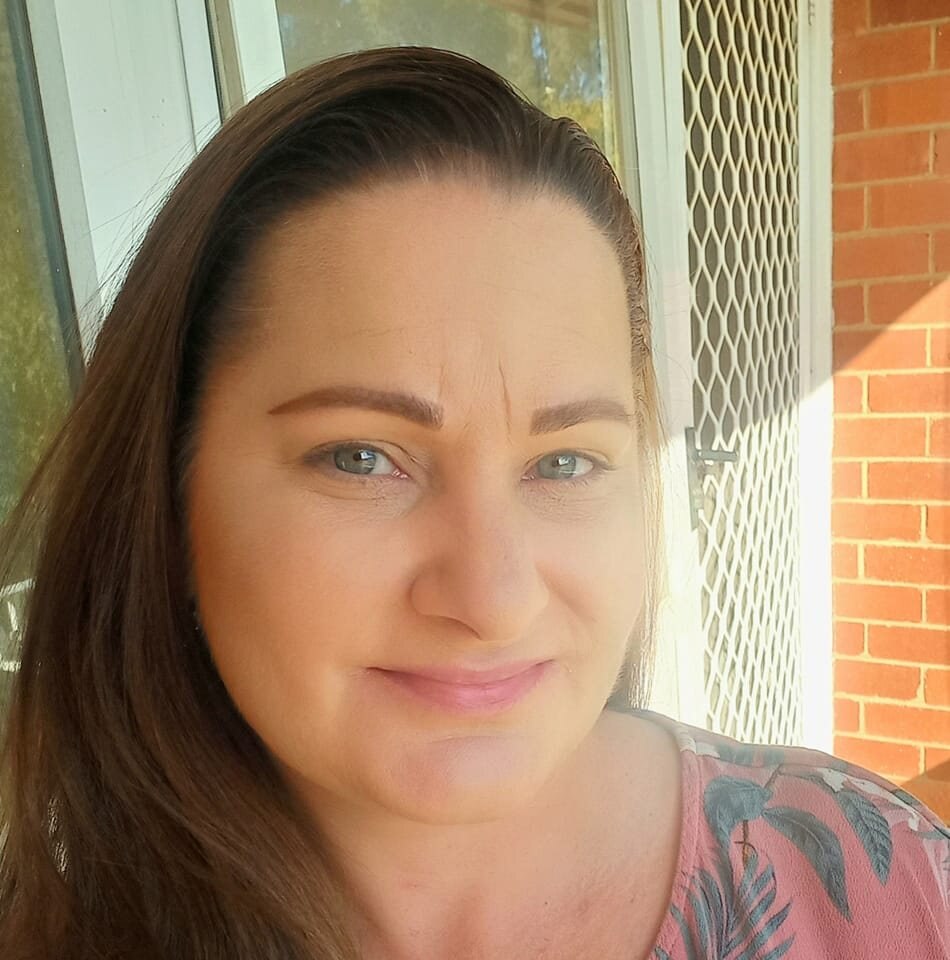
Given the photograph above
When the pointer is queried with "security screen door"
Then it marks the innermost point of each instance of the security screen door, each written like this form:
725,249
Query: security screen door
727,75
740,91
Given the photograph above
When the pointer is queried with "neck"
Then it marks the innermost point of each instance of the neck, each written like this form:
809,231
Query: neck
419,888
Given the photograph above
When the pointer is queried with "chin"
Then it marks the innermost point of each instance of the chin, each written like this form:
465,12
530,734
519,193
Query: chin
470,779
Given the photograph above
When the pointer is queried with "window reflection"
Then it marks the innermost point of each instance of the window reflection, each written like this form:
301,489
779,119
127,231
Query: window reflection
34,358
34,382
556,52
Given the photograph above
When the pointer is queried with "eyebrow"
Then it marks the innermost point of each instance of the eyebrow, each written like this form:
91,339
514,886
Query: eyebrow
410,407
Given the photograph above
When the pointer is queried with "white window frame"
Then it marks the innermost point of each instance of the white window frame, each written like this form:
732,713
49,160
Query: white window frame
151,131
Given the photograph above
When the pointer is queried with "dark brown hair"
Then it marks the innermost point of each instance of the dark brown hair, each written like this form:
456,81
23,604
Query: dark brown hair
141,816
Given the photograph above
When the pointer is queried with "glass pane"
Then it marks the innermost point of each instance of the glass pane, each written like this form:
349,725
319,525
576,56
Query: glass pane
34,366
34,382
554,51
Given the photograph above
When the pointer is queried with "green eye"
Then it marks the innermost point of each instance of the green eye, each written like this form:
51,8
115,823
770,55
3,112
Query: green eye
356,460
565,466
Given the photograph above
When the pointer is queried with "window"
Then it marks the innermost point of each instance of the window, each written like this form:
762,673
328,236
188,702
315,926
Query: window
39,354
559,53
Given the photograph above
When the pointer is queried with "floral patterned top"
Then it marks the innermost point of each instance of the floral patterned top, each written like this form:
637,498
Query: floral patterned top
789,852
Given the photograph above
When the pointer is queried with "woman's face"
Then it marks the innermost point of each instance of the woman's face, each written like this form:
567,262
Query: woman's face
415,502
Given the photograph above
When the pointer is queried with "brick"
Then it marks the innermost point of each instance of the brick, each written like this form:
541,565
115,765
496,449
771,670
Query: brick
940,347
883,349
942,147
898,760
909,393
849,16
943,47
844,561
937,688
849,394
937,763
875,521
939,443
909,481
847,715
881,157
847,209
909,644
938,607
919,724
933,794
872,601
849,111
873,56
848,303
921,565
907,103
867,679
862,437
887,12
846,481
930,308
910,204
938,523
890,303
848,638
942,251
869,258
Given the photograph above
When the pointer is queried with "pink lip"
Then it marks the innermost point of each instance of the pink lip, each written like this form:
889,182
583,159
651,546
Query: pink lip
467,690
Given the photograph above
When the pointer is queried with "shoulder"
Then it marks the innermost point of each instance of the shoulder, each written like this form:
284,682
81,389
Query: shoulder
811,854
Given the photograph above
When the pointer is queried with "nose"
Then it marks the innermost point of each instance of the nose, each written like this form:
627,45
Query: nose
480,568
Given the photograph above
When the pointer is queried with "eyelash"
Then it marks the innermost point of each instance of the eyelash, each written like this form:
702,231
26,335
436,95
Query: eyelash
322,455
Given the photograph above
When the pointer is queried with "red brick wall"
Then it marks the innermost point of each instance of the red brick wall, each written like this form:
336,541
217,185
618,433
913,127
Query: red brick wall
891,510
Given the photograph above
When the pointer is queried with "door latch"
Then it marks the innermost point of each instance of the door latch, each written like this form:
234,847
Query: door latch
696,460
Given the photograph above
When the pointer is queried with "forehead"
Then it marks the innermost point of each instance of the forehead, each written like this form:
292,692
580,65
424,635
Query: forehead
441,279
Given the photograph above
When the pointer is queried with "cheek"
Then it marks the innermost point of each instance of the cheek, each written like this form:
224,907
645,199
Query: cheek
283,596
600,566
269,562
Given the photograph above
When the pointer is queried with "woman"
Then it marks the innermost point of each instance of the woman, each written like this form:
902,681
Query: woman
347,543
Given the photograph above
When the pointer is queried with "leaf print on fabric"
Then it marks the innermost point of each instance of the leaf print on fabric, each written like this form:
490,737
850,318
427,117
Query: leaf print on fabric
895,798
729,922
902,806
819,845
729,801
899,808
872,829
940,829
742,754
868,823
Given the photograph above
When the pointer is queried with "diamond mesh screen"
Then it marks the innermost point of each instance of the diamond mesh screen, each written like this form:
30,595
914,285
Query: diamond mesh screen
740,87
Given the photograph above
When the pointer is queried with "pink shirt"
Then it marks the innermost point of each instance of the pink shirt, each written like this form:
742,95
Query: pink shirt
789,852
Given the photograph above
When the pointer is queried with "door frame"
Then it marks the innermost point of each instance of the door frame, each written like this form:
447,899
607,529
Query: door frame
816,412
656,65
656,55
